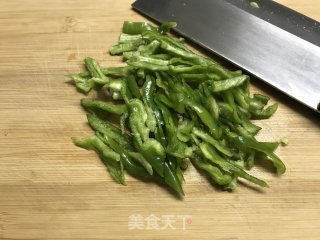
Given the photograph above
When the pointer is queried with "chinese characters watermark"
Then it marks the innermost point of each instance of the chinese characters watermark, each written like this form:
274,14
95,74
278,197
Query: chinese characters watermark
161,222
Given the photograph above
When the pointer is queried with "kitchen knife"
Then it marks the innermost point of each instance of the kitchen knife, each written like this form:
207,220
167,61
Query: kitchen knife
274,43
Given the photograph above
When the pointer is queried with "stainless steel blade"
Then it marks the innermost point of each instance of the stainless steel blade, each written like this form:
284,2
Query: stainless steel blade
278,57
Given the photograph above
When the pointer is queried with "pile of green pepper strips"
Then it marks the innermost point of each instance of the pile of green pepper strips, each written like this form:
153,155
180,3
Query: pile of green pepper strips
175,107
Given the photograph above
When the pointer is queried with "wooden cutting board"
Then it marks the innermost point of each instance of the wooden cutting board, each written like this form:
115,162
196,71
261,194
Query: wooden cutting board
49,189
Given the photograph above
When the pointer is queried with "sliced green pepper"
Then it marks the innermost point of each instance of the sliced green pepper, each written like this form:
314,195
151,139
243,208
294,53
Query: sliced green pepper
110,158
95,69
223,85
150,148
217,175
124,37
172,180
85,85
91,104
264,147
136,27
228,165
206,137
125,47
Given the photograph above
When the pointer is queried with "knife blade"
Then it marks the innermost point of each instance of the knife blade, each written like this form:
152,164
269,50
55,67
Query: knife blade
272,42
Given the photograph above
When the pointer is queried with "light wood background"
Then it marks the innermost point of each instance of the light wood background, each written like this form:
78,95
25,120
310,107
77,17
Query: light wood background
49,189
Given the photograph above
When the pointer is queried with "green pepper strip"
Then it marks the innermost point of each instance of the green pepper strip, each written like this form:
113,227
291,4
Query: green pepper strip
225,110
228,165
151,121
140,159
130,54
125,47
249,126
209,102
124,38
120,86
218,176
110,130
205,117
255,105
148,89
240,98
200,77
110,158
101,105
150,48
147,65
136,27
177,106
159,81
228,98
150,148
133,168
193,69
244,112
174,147
172,180
123,121
184,130
95,70
179,149
172,176
166,26
149,60
125,92
180,61
182,53
264,147
265,113
250,159
94,143
117,71
223,85
206,137
116,85
85,85
152,35
175,96
262,98
120,148
220,71
179,173
169,122
110,71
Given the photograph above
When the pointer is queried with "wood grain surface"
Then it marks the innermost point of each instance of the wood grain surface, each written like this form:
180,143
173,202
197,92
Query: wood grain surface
49,189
